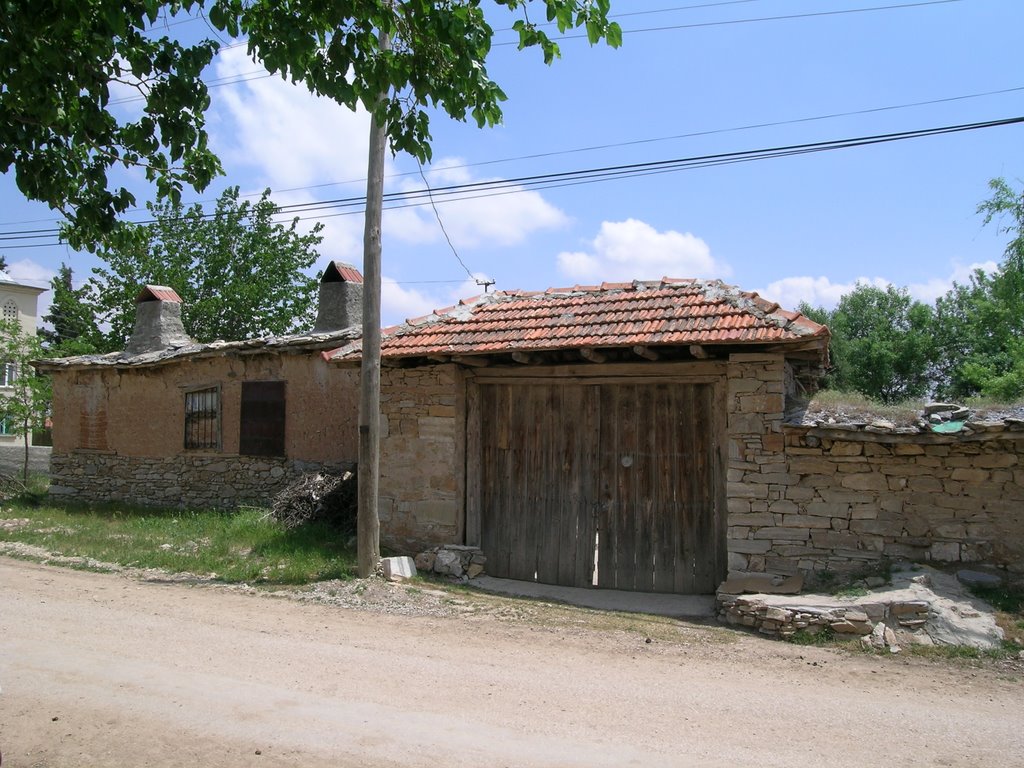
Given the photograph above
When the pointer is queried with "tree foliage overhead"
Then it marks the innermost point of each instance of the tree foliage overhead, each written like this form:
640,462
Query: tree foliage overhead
62,134
238,272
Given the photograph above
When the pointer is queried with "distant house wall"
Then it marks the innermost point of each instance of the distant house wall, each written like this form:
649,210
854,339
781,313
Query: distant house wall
120,433
24,299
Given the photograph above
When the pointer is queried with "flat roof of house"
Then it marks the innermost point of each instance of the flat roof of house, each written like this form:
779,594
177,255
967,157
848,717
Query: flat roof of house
668,312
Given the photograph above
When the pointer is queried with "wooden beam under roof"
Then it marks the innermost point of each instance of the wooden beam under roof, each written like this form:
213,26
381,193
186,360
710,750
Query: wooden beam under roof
645,352
471,360
524,358
698,351
592,355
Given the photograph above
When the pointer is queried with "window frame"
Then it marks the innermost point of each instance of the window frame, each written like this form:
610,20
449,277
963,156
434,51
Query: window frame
213,441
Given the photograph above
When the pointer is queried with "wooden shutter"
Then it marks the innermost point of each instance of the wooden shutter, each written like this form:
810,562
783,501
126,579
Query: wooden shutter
261,432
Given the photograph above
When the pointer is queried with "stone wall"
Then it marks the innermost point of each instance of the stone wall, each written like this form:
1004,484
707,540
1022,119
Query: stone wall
422,457
756,474
844,501
189,480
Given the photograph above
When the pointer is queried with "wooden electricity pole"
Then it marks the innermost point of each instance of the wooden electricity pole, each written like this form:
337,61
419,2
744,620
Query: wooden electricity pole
368,520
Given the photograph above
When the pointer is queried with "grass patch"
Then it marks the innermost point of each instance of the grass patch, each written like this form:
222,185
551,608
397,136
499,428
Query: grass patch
856,404
1009,605
1007,650
241,546
825,636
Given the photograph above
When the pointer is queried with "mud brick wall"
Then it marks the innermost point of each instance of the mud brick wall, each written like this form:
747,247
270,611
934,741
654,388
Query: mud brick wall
844,501
422,460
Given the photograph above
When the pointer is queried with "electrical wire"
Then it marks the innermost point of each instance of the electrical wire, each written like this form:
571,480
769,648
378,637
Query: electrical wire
481,189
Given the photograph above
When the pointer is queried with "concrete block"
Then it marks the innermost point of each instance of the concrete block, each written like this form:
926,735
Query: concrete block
396,568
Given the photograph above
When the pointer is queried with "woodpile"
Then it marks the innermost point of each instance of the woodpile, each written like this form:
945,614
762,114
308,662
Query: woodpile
318,497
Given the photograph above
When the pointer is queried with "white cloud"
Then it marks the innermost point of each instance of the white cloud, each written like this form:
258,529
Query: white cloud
28,271
931,289
399,303
633,249
816,291
822,291
500,220
286,135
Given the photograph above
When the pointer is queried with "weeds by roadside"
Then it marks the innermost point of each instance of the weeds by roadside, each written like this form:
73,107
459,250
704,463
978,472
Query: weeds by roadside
242,546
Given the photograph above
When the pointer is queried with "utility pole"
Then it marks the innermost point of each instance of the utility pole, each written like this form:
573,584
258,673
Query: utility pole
368,519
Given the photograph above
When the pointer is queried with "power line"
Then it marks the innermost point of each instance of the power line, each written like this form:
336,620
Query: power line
474,190
614,145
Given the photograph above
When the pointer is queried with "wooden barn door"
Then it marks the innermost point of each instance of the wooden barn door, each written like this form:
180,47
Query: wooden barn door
618,472
538,497
656,477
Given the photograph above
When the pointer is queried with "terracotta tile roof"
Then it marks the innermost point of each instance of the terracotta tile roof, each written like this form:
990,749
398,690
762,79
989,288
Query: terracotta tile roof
157,293
341,271
667,312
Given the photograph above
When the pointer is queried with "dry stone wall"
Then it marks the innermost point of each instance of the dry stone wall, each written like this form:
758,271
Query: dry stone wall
202,482
844,501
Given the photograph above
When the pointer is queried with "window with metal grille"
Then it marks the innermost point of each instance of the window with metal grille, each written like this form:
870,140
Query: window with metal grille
11,311
202,418
261,428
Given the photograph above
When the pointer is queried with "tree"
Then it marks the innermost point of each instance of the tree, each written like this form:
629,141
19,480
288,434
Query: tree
239,274
74,330
980,325
60,58
881,344
25,398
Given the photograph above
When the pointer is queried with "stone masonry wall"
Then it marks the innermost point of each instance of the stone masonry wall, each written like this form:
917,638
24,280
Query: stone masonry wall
202,482
756,476
421,497
844,502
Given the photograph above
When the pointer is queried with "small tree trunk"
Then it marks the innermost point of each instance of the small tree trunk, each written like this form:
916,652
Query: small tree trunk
24,469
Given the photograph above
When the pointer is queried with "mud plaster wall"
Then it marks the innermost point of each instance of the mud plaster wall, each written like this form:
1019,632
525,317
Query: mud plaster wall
135,419
422,457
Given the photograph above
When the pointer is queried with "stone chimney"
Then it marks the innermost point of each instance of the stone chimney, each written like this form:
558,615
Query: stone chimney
157,321
341,298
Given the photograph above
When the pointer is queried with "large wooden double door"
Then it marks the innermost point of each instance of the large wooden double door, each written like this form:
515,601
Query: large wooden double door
612,484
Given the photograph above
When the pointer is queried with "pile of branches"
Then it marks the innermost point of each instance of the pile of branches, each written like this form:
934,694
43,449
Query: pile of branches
318,498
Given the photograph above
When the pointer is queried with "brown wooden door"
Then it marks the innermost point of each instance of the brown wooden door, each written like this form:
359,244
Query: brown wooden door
623,472
656,500
537,491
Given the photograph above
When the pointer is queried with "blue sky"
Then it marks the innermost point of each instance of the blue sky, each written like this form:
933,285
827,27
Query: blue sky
796,228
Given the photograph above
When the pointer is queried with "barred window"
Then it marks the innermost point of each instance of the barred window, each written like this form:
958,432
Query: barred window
11,311
202,418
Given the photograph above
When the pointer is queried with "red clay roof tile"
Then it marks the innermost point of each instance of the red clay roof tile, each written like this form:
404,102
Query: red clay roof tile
670,311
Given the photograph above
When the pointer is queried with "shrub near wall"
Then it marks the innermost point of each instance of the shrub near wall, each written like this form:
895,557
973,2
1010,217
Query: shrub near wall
850,500
202,482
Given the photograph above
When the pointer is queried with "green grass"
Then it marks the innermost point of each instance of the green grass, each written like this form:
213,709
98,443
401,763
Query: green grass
1007,650
242,546
825,636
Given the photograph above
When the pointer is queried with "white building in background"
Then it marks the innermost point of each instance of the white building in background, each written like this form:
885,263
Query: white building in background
18,302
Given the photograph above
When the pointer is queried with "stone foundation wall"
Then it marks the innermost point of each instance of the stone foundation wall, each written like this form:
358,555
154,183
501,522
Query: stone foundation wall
844,501
203,482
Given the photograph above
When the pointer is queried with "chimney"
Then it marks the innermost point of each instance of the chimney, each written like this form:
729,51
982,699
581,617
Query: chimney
157,321
341,298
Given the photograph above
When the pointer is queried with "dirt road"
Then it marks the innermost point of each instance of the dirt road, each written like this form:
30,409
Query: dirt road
106,670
